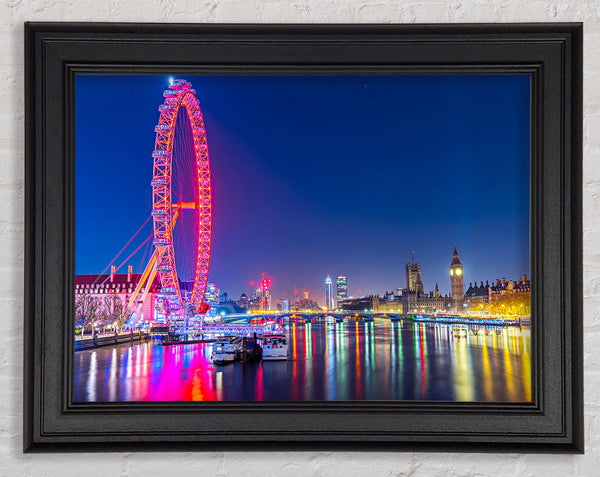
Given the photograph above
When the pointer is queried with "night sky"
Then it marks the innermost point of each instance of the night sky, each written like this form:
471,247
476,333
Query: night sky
321,175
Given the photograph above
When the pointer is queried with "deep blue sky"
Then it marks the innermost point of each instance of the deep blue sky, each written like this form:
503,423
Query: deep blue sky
318,175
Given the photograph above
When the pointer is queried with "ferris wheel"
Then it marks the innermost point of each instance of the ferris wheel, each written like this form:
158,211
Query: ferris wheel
181,206
181,202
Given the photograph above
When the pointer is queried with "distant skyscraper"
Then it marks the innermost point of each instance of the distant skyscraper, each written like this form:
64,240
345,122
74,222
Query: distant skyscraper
342,288
329,294
282,305
456,278
212,294
263,293
414,284
264,296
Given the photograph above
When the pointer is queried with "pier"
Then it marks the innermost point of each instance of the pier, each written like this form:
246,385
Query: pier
98,340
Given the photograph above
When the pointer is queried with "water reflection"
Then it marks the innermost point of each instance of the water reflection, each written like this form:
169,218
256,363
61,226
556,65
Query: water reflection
327,361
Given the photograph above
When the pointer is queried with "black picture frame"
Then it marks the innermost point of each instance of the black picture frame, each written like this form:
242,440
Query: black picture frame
550,53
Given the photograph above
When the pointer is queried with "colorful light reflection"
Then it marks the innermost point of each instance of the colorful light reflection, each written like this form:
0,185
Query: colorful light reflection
327,361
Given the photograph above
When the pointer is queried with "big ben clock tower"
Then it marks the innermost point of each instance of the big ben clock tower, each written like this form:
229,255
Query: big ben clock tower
456,279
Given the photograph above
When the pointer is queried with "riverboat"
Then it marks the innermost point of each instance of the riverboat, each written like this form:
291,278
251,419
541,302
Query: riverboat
253,350
274,348
226,350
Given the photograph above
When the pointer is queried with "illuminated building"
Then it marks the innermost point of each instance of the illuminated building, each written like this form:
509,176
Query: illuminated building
306,303
512,297
456,279
212,294
414,284
508,288
283,305
342,289
329,294
261,300
243,301
99,290
413,298
505,297
359,304
264,293
431,302
477,294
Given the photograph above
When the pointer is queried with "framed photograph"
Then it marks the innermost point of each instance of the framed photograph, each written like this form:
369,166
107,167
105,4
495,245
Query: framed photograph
303,236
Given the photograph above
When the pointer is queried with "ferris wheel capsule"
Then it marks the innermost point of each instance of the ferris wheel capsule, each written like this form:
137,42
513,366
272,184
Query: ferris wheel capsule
157,153
159,212
158,181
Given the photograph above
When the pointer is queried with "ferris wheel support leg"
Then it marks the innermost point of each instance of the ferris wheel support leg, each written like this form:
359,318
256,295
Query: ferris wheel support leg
149,282
143,279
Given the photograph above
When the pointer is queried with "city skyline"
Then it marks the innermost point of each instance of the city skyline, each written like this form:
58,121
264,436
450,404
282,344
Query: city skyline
323,175
359,293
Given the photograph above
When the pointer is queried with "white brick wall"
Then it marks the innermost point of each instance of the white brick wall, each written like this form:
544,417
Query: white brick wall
12,15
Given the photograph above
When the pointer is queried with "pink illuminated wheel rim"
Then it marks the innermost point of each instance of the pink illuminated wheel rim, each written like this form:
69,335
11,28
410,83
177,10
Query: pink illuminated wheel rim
181,193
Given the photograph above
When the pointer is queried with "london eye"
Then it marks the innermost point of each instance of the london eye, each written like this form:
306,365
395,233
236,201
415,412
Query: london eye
181,206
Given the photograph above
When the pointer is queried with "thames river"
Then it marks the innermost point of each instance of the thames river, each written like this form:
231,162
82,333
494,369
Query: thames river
379,360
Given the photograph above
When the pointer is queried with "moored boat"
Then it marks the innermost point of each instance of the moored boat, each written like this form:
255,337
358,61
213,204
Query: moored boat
226,350
253,350
274,347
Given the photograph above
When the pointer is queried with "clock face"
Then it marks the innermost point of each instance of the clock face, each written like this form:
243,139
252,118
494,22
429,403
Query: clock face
451,271
458,271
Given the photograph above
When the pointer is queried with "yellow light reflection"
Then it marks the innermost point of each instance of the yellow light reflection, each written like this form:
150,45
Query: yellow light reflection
462,373
488,386
508,374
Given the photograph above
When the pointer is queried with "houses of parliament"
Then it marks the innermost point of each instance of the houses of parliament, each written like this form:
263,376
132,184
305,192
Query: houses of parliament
413,299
